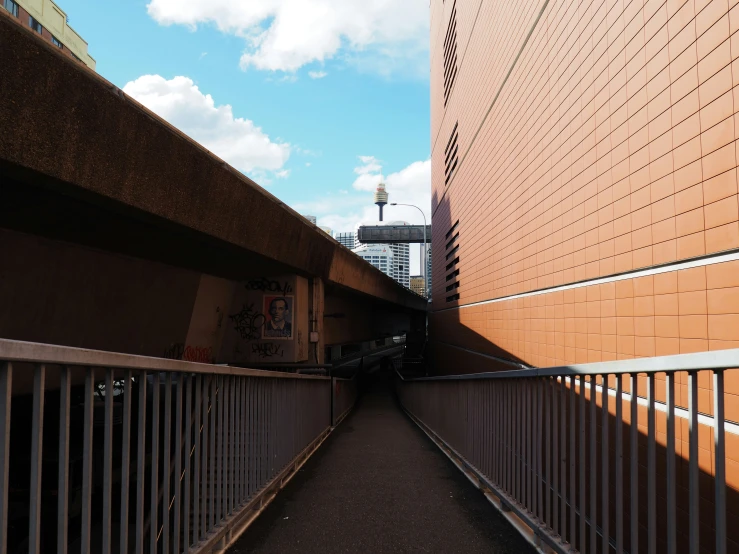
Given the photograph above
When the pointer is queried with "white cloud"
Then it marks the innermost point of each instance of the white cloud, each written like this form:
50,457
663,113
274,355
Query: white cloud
317,74
238,141
307,164
203,55
283,174
284,35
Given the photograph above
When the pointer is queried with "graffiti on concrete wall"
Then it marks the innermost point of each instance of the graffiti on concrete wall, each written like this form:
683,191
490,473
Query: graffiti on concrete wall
180,351
267,350
248,322
268,285
175,351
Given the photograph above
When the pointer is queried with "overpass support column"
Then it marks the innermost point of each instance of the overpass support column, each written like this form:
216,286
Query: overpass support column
315,315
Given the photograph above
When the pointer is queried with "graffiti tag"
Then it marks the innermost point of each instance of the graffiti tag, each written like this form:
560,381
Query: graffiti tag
175,351
267,349
178,351
248,322
201,354
268,285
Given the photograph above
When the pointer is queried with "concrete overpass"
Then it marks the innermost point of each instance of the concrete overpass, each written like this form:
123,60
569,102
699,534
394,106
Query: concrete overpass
120,233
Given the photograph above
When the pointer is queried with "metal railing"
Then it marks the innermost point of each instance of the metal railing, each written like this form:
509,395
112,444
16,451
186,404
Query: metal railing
112,453
344,396
556,449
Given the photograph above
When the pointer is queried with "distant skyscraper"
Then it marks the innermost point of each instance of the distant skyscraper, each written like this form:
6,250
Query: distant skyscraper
379,255
347,239
310,218
417,285
401,255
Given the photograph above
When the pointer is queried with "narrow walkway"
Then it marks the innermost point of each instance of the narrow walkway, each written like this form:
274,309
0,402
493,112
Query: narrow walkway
379,484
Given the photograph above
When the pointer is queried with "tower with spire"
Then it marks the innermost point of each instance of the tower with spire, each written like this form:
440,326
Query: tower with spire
381,197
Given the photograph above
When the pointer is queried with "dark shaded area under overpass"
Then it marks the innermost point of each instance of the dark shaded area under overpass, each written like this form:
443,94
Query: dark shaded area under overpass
380,485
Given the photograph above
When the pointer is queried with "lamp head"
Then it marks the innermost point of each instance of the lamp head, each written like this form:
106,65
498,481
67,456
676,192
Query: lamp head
393,203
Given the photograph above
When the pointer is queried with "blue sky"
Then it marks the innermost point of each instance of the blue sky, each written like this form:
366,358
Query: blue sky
312,85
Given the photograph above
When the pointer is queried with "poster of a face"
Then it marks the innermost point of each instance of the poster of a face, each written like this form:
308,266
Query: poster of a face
278,312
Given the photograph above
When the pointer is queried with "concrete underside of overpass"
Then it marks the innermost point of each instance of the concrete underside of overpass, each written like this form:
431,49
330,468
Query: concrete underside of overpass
120,233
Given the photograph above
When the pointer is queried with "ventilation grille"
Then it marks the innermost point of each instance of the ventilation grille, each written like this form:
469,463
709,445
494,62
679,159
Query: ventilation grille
452,276
450,54
451,157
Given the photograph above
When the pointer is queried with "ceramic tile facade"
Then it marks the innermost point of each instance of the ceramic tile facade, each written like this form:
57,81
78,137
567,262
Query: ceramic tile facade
595,138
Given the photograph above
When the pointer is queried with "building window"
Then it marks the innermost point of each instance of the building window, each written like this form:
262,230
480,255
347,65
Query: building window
55,42
75,57
35,25
11,6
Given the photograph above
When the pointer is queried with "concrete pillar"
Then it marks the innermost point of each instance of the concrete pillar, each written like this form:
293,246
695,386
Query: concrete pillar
315,321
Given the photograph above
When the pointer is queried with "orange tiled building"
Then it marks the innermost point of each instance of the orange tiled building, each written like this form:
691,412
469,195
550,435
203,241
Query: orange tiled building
584,178
584,188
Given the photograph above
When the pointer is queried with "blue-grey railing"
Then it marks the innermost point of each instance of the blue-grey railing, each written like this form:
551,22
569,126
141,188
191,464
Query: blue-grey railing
557,449
106,452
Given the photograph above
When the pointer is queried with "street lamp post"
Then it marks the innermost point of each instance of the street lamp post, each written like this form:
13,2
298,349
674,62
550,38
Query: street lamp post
425,245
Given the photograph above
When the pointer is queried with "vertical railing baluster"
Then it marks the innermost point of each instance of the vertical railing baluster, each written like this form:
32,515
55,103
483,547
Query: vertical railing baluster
573,492
199,476
237,442
154,475
141,381
634,466
188,400
178,464
220,448
720,453
619,467
244,442
232,445
108,462
593,467
540,426
37,442
555,457
563,457
222,435
517,440
548,482
530,456
166,461
63,474
670,463
125,459
212,487
6,390
605,475
651,468
582,472
87,463
509,437
693,482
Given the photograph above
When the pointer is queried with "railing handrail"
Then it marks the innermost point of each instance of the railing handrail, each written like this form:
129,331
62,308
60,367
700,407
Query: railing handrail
40,353
716,360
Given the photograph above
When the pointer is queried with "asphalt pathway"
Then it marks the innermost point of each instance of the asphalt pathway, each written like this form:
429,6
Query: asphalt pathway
378,484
